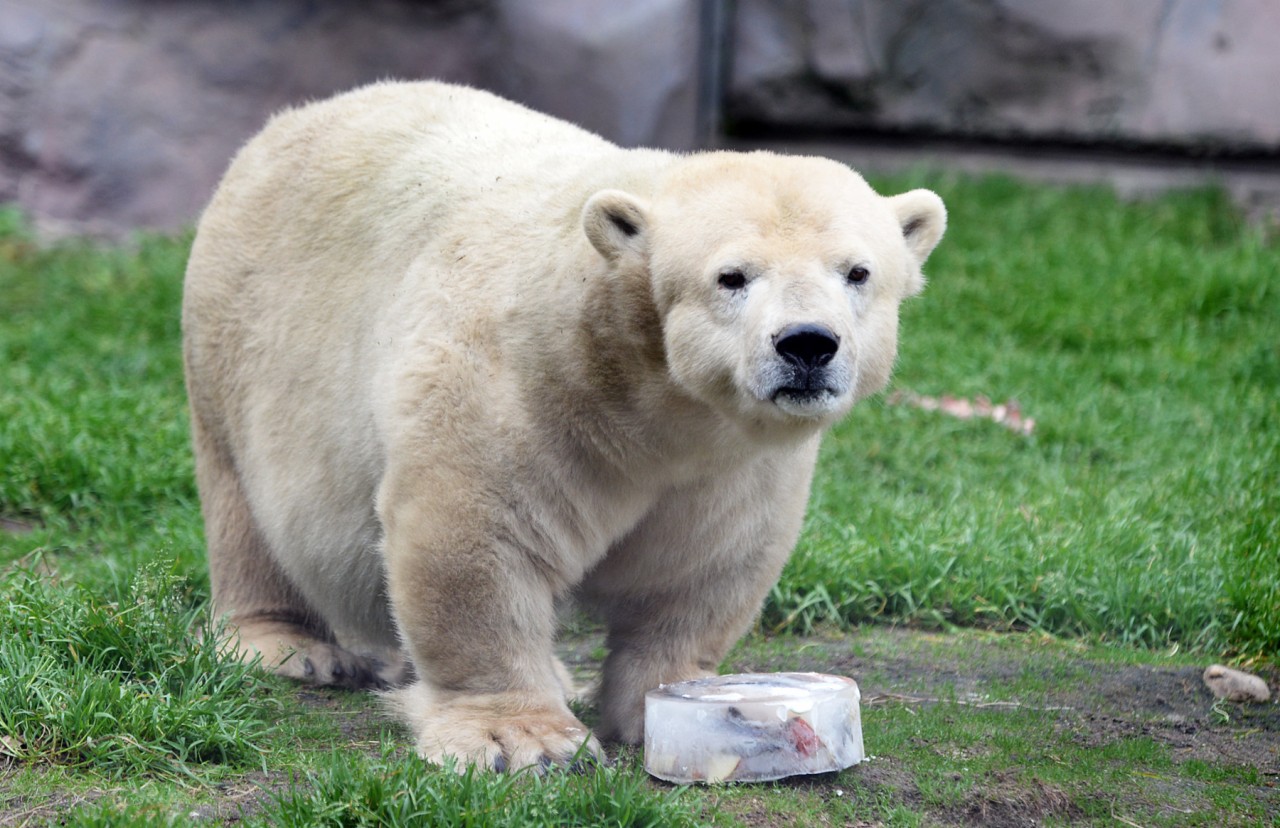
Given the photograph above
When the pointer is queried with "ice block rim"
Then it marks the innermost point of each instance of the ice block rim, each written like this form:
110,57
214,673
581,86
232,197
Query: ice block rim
809,684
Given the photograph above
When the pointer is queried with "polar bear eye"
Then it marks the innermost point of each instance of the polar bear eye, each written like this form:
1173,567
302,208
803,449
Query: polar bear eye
858,275
733,280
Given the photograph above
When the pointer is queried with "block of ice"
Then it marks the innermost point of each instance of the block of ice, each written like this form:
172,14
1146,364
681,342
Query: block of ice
752,727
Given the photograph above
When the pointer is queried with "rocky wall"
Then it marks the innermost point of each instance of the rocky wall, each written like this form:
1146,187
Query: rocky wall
1196,75
121,114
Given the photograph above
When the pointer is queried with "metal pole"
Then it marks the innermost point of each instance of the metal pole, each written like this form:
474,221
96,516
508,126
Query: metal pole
714,18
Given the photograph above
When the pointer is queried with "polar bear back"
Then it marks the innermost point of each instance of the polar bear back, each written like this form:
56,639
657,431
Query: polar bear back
397,157
356,188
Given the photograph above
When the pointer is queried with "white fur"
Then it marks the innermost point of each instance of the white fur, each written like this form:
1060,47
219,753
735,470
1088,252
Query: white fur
451,361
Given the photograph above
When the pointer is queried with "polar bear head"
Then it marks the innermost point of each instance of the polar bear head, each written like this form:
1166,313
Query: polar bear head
777,279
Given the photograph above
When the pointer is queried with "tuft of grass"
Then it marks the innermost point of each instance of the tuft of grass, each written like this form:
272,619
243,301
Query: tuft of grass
349,789
346,790
115,814
120,685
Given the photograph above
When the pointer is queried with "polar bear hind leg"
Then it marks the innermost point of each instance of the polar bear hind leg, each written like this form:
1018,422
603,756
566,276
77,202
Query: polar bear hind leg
264,615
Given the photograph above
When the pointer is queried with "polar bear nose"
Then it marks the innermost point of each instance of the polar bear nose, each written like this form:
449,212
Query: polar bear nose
807,345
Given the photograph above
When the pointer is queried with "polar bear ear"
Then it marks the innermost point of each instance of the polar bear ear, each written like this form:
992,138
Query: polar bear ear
923,219
617,223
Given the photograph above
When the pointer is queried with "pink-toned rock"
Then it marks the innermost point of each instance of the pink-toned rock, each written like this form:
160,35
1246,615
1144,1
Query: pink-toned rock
1236,685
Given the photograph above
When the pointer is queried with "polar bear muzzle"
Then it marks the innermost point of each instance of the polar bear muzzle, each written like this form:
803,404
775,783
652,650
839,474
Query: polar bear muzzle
804,380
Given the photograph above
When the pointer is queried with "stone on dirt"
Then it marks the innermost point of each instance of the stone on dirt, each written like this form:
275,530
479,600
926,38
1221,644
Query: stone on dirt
1236,685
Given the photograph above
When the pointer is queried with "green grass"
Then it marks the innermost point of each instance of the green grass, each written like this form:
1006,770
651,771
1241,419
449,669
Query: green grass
93,426
345,790
1145,341
122,686
408,792
1143,510
1143,338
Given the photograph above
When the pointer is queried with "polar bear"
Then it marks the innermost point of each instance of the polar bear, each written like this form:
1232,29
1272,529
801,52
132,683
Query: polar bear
453,364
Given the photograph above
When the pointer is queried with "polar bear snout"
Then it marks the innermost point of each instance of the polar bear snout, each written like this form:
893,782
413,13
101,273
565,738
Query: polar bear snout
807,374
807,347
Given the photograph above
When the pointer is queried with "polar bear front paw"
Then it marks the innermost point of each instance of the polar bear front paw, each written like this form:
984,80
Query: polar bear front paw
497,731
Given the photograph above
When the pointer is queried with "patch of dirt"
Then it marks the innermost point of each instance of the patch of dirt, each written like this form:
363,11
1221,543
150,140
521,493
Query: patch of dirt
12,525
361,724
233,801
22,811
225,803
1001,801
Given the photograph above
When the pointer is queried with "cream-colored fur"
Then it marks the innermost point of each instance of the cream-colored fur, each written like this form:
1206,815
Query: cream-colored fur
452,362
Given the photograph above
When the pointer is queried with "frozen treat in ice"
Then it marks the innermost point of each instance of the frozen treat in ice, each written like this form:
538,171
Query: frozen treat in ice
752,727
